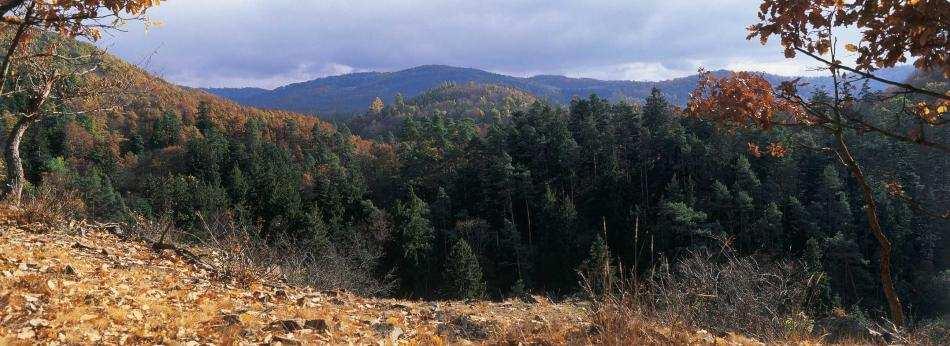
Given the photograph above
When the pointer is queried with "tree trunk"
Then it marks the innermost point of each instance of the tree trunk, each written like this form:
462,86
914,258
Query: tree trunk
894,303
15,180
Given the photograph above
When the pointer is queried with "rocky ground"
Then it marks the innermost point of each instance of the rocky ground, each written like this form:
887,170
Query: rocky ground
82,284
79,283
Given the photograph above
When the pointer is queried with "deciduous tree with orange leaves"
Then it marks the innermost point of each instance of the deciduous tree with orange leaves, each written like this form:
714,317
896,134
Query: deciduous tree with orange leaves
891,32
34,72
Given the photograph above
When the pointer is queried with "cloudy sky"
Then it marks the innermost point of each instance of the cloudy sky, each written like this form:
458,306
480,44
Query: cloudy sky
267,43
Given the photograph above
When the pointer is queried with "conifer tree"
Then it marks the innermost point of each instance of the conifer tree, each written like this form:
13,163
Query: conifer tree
597,269
318,231
415,242
745,176
769,227
463,275
799,224
832,206
656,112
512,256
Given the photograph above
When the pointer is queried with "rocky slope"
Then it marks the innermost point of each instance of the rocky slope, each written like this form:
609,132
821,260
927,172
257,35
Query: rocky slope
77,282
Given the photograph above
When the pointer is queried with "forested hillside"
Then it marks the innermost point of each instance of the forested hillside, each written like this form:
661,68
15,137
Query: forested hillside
481,104
339,97
475,191
462,206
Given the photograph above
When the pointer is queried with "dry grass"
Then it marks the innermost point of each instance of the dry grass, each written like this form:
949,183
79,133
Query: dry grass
716,297
52,202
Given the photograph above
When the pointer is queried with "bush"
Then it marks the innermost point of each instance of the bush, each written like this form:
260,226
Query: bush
716,291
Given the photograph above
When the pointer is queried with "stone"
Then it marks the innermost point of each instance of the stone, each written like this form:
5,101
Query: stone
317,325
285,325
231,319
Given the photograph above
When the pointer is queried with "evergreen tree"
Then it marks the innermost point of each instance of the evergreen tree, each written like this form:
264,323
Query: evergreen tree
745,176
512,256
597,269
722,204
832,205
463,275
166,130
414,243
318,230
769,228
557,252
798,225
682,224
100,195
656,112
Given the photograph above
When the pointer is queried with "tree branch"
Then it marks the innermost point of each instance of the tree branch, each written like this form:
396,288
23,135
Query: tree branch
876,78
8,5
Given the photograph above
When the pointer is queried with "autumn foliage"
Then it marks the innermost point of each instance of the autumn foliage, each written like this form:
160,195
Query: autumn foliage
742,99
891,30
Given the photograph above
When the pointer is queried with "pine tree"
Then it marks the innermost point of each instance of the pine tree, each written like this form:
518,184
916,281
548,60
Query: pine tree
204,122
656,111
99,194
597,268
463,275
511,257
557,243
166,130
745,176
682,222
238,186
415,242
832,205
318,231
722,204
442,210
769,227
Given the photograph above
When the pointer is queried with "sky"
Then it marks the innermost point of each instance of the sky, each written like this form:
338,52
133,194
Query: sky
268,43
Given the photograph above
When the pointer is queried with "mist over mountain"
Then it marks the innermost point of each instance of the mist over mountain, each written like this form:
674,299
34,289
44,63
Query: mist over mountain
339,96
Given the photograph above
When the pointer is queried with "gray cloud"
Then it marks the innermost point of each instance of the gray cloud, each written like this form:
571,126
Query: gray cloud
272,42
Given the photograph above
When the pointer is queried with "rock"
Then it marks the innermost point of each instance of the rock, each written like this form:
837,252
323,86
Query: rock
318,325
383,328
471,328
530,298
26,333
285,325
398,306
395,334
231,319
38,322
167,254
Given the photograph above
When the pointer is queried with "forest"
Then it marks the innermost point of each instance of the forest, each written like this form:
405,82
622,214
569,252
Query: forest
447,207
835,195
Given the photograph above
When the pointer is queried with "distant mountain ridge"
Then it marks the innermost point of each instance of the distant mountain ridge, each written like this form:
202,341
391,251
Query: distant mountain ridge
352,93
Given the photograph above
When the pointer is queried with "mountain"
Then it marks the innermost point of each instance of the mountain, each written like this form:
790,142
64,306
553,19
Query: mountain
352,93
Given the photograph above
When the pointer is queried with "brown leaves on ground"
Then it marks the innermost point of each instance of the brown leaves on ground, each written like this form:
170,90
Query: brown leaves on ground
83,285
76,284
